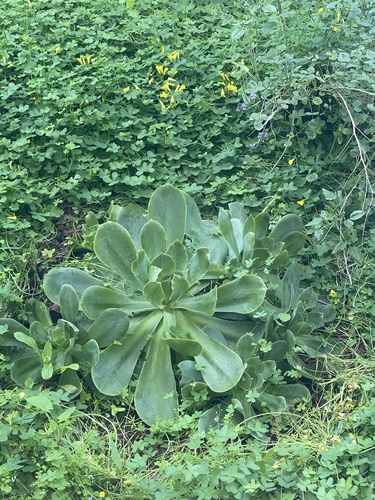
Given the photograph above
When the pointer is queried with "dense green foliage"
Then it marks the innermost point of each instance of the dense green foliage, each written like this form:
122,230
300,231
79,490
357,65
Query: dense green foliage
267,103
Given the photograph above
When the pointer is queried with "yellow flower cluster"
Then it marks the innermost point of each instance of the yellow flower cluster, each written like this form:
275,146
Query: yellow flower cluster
85,59
170,86
228,84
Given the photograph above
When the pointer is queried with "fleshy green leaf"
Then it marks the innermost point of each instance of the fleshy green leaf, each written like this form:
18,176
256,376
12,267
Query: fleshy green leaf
154,293
198,265
220,367
69,303
288,224
7,338
111,325
179,286
132,218
166,265
289,286
38,332
248,246
249,225
242,295
179,255
237,211
27,365
226,229
97,299
168,207
262,222
87,354
141,267
115,248
195,226
56,278
205,303
294,242
153,239
116,364
26,339
155,396
41,402
217,248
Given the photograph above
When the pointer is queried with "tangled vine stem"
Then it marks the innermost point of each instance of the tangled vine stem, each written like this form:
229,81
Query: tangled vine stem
362,153
368,189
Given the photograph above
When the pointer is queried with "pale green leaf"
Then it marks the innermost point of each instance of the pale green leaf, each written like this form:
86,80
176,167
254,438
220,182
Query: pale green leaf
56,278
198,265
116,364
205,303
153,239
132,218
168,207
97,299
111,325
242,295
155,396
114,247
153,291
69,303
226,229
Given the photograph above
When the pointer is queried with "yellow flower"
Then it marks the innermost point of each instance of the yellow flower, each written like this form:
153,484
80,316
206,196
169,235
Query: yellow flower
102,494
161,69
336,29
21,395
162,50
168,83
291,161
127,481
126,90
87,59
301,202
320,11
12,217
244,67
338,16
57,49
232,88
332,293
222,93
180,88
164,95
173,56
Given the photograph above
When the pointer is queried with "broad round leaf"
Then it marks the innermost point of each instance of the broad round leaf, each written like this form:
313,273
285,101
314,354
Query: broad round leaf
56,278
114,247
242,295
168,207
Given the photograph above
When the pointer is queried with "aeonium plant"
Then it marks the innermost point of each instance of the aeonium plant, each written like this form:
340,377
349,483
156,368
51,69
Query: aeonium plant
175,291
56,352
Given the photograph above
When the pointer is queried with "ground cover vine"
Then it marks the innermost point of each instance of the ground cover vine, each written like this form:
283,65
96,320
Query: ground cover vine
259,103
